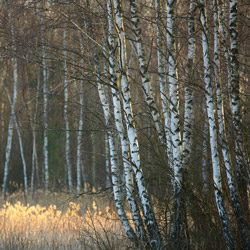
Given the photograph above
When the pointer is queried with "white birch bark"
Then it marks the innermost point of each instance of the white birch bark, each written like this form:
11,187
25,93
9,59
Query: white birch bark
173,93
150,221
112,149
107,165
129,183
21,149
146,84
222,31
242,176
163,80
45,107
178,225
108,183
114,167
130,190
241,173
79,141
12,115
225,223
79,163
188,106
66,120
23,158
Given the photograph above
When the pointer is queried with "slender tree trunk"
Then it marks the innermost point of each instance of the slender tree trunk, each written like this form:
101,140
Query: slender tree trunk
222,31
150,221
178,225
80,127
226,226
129,183
12,115
113,151
66,120
108,184
23,158
45,107
242,176
79,142
242,224
114,168
162,80
189,85
26,189
146,84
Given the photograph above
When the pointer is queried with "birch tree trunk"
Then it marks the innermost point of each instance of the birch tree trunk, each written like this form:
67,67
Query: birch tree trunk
115,169
113,152
223,41
21,149
150,221
146,84
242,224
162,80
26,189
242,176
45,107
225,223
189,85
108,184
66,120
12,115
129,183
79,142
178,225
80,127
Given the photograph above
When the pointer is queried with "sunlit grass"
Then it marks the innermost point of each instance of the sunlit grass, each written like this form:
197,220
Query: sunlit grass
85,223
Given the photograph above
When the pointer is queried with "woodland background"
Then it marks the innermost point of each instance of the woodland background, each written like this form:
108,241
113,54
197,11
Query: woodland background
176,73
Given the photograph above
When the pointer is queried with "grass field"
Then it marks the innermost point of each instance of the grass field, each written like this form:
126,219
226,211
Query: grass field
60,221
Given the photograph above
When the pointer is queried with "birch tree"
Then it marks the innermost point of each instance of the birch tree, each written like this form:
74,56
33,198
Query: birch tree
242,225
225,223
80,125
66,120
14,97
242,175
146,84
178,225
149,217
45,107
162,72
116,99
189,85
113,152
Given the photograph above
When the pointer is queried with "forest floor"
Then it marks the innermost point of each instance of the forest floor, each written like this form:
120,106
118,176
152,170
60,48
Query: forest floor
60,221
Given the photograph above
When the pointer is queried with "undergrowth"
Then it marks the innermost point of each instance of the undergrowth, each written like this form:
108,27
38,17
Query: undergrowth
58,221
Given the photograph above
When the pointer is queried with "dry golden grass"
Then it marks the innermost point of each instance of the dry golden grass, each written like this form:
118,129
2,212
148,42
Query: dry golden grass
56,221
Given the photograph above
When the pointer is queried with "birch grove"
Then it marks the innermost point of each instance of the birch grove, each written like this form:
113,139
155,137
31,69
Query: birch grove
146,102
